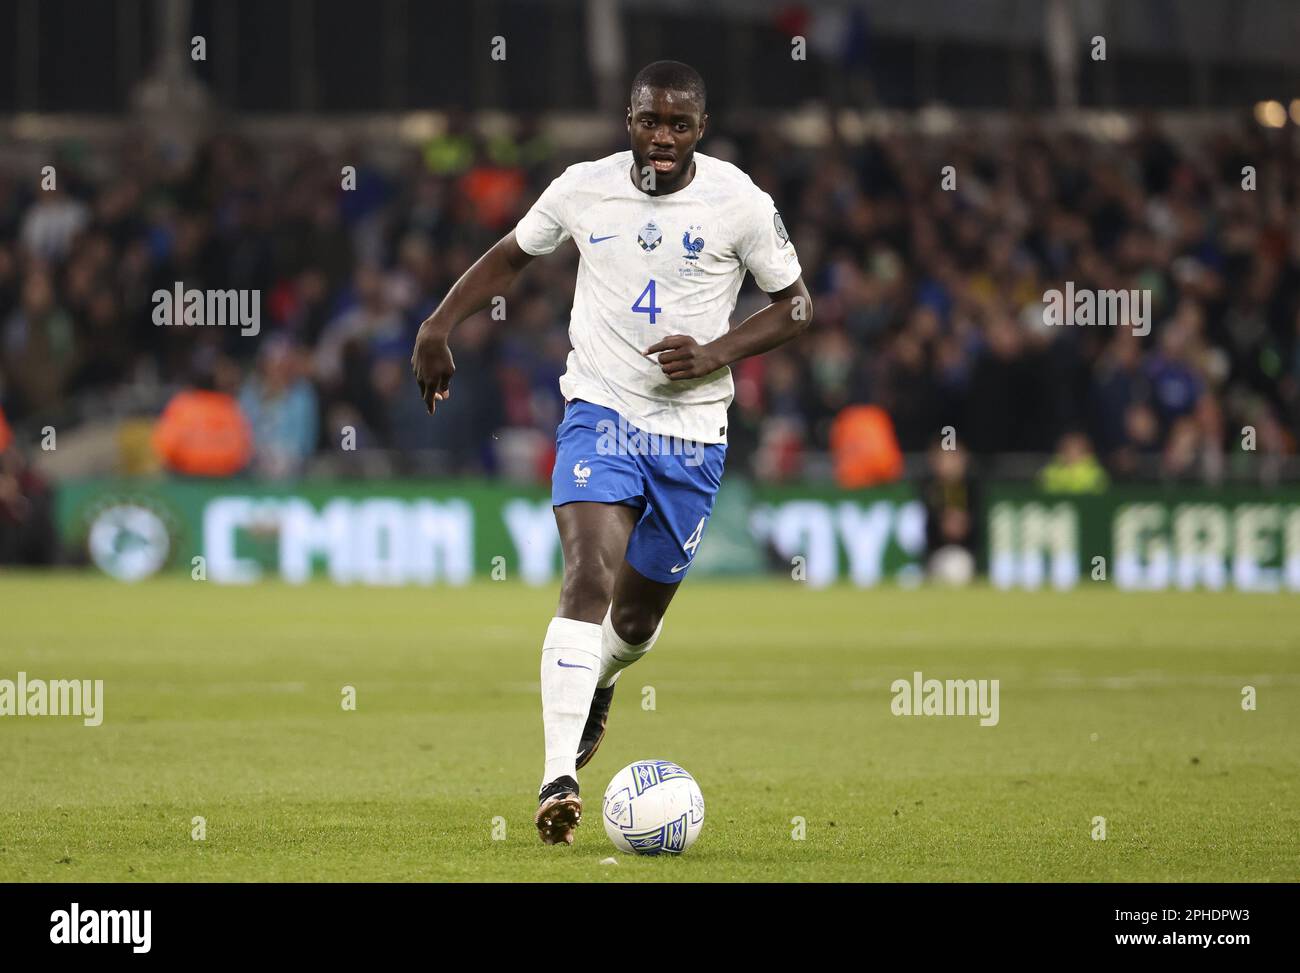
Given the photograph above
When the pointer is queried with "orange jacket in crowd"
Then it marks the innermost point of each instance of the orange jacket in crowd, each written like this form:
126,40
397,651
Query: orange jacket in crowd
864,447
495,192
203,433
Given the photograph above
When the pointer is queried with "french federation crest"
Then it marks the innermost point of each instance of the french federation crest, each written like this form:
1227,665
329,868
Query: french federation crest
650,236
692,244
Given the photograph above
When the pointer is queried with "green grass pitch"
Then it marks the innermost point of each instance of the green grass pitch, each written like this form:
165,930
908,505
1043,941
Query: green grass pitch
225,703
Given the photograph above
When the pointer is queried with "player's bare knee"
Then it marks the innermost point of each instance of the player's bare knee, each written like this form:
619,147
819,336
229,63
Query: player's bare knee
587,588
633,623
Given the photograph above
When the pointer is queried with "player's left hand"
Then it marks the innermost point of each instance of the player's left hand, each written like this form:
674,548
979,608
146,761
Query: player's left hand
683,357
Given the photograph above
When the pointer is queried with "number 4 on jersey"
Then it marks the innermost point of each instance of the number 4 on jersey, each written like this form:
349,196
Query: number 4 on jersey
689,547
693,541
650,309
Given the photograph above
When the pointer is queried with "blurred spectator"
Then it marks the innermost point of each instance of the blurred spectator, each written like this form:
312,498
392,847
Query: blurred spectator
300,304
949,493
864,448
1074,468
52,223
280,406
452,151
495,191
203,433
1119,391
370,323
39,346
27,534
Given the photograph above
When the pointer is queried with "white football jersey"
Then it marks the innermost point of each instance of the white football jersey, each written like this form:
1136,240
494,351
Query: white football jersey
652,266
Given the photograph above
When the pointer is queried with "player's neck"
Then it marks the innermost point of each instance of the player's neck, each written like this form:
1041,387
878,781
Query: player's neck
689,178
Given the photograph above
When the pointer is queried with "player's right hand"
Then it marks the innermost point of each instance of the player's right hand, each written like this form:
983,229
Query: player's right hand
432,365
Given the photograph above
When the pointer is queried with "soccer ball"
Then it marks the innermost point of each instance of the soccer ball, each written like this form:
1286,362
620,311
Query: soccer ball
653,807
952,566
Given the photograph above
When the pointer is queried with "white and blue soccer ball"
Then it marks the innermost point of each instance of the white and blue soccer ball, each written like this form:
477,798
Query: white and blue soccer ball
653,807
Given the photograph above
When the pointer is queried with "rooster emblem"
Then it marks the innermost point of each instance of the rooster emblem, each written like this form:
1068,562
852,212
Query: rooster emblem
580,473
693,247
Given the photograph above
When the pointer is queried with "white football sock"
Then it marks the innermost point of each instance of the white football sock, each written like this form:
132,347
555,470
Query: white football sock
570,662
616,655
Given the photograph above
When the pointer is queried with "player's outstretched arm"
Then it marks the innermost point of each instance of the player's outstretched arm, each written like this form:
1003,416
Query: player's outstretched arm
492,274
789,314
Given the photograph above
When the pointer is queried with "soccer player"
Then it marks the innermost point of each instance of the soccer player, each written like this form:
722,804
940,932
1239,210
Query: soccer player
665,235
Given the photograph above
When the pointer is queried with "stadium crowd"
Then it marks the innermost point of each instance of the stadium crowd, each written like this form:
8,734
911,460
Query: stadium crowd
928,301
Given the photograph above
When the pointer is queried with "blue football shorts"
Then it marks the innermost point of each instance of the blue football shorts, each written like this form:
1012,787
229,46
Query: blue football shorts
601,457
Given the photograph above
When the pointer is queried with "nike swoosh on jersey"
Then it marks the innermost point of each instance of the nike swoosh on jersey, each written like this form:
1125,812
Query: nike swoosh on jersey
679,567
592,238
571,665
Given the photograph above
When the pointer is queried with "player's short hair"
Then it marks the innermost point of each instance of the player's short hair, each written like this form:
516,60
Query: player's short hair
672,75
